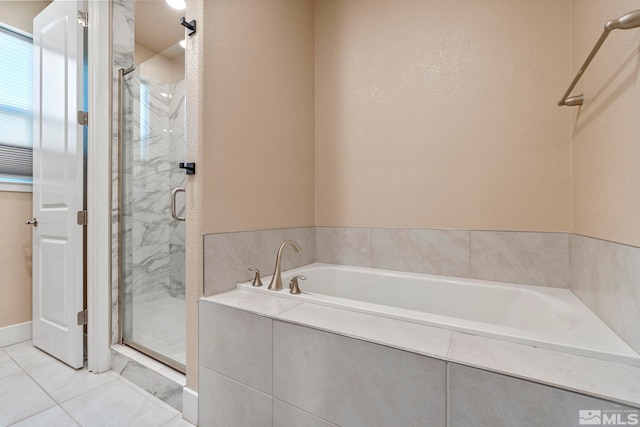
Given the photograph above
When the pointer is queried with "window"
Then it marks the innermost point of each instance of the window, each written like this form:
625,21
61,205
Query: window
16,106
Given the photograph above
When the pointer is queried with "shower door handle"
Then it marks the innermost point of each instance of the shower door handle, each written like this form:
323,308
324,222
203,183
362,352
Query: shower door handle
174,213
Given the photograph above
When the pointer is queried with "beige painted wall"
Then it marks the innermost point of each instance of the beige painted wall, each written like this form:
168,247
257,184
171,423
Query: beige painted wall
142,54
606,136
157,66
20,14
15,258
250,118
258,113
15,208
442,114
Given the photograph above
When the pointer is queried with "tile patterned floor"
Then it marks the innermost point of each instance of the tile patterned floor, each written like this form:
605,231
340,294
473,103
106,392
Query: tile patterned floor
171,339
38,390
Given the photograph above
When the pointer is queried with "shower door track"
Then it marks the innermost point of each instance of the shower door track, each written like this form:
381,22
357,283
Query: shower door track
155,355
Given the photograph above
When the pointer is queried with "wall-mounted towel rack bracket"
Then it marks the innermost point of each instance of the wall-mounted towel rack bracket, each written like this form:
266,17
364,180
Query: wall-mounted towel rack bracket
625,22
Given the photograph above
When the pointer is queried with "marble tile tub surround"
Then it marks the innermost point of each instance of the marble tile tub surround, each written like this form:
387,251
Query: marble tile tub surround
370,384
597,378
247,360
606,277
480,398
411,386
227,256
314,369
517,257
507,256
225,402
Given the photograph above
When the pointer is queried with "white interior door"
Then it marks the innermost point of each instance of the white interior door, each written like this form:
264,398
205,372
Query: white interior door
58,182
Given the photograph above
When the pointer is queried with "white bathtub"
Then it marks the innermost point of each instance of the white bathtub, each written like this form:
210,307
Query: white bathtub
534,315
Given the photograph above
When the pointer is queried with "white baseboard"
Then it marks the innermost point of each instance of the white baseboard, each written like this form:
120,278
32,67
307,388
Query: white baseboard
190,405
14,334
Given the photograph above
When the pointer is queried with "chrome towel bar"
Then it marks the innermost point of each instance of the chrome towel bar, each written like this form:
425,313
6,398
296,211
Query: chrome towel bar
625,22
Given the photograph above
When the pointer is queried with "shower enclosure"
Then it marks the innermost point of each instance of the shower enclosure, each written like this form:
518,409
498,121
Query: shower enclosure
152,240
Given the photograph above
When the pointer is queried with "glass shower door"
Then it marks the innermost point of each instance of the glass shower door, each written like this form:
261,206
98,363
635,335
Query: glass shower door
153,241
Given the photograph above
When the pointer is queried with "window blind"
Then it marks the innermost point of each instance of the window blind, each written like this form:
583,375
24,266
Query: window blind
16,103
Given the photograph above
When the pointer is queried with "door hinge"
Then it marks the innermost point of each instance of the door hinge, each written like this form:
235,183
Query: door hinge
83,18
82,317
82,217
83,118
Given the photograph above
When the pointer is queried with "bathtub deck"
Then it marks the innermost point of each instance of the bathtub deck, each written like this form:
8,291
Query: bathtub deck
599,378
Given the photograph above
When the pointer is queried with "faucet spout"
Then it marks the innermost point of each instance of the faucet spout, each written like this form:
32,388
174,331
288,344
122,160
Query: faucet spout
276,280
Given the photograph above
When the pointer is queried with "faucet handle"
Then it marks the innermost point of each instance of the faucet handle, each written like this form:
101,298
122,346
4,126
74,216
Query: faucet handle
293,285
256,279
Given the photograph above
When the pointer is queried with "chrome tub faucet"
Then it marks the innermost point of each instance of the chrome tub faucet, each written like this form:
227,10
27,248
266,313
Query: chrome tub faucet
276,280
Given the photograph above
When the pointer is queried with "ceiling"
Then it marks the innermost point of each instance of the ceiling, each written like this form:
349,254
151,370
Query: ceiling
157,25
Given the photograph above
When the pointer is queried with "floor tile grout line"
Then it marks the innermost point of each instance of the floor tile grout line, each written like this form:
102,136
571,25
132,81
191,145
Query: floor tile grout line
89,389
173,413
52,359
15,363
32,415
11,357
71,397
39,385
72,417
24,371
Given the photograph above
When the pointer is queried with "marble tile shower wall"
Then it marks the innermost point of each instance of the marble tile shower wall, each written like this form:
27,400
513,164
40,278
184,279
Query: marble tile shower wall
154,173
170,236
177,178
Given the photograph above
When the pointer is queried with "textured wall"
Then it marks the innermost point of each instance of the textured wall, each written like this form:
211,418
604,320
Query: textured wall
258,115
442,114
15,258
195,147
606,148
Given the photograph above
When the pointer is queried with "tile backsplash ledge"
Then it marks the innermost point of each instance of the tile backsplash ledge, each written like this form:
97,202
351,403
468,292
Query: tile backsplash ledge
518,257
227,256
